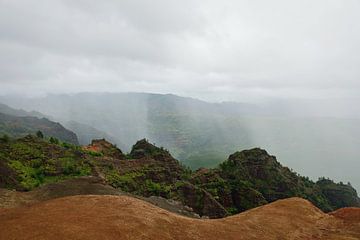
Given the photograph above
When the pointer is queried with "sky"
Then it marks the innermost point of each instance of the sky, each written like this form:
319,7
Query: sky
213,50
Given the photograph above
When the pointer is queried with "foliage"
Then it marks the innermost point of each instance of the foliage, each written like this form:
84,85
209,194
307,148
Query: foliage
126,182
54,140
20,126
36,161
246,180
5,138
39,134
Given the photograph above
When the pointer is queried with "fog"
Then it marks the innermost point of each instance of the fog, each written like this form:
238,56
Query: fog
212,50
203,134
282,75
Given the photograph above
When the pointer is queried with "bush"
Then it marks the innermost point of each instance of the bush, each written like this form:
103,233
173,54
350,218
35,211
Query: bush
39,134
54,140
126,182
5,138
28,176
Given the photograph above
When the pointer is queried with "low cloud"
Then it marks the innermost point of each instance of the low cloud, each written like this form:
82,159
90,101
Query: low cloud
233,50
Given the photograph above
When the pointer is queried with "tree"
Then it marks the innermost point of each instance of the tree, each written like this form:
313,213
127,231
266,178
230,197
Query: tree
39,134
5,138
54,140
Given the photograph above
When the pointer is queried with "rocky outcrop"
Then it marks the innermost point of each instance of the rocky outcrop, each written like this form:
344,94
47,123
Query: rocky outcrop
233,194
256,171
143,148
200,200
105,148
248,179
339,195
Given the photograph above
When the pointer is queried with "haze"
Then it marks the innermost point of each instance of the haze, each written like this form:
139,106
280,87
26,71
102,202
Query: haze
213,50
287,59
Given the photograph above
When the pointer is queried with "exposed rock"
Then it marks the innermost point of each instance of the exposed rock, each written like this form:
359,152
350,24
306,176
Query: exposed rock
248,179
339,195
143,148
235,196
105,148
200,200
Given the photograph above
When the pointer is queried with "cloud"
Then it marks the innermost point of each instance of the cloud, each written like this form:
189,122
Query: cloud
208,49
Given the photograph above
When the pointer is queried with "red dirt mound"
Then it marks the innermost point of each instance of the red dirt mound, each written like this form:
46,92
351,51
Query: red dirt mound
122,217
348,214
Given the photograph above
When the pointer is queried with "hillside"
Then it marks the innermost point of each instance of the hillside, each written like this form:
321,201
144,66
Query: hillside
246,180
203,134
21,126
253,177
19,123
120,217
86,133
19,112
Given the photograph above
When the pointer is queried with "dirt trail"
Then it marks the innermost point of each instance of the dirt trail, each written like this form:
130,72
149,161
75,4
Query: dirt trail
123,217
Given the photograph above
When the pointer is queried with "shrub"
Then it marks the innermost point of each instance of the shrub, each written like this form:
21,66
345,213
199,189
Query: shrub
39,134
54,140
28,175
5,138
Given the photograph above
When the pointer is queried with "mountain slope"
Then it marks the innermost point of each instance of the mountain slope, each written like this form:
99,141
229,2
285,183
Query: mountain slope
86,133
18,123
20,126
253,177
28,162
202,134
119,217
247,180
19,112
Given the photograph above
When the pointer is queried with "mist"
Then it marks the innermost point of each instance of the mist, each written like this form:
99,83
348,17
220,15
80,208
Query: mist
279,75
203,134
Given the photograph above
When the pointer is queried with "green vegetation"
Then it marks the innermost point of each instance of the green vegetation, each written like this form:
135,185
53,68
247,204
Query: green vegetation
39,134
246,180
337,194
136,182
5,138
145,149
253,178
20,126
127,182
37,161
54,140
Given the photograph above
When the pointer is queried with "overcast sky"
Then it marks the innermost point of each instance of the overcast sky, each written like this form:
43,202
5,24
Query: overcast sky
213,50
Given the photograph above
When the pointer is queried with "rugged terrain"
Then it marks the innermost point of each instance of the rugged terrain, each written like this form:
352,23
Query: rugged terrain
248,179
121,217
87,185
22,123
203,134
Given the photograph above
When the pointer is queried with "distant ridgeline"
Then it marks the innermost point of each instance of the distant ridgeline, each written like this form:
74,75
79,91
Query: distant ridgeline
246,180
202,134
19,123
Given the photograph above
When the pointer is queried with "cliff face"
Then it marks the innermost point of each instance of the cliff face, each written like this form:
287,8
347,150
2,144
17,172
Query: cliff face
339,195
149,170
246,180
260,178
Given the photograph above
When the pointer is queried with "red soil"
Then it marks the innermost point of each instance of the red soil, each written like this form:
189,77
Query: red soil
121,217
348,214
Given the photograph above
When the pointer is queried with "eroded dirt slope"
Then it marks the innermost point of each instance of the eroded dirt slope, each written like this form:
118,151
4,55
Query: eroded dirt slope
82,186
123,217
